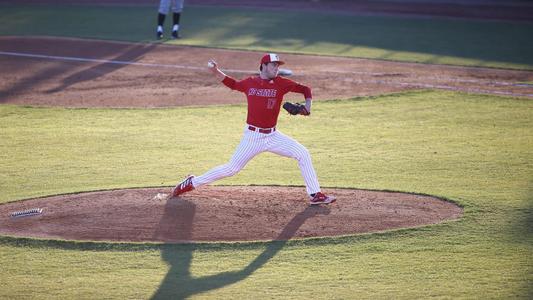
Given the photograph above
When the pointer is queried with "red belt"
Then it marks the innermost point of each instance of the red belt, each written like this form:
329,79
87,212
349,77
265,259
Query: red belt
262,130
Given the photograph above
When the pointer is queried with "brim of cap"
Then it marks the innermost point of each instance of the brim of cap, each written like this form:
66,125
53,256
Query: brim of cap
278,61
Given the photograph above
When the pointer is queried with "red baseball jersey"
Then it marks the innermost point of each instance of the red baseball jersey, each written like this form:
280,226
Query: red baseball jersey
265,97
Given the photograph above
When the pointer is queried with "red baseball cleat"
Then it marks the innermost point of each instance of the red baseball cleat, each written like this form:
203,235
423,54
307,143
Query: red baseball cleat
320,198
183,187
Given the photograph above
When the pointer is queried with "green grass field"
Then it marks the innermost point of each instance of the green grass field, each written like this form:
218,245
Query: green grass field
476,150
442,41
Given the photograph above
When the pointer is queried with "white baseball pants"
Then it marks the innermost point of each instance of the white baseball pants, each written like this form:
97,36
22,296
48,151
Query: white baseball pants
253,143
165,5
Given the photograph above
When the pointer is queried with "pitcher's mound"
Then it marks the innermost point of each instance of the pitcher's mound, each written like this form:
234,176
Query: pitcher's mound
219,213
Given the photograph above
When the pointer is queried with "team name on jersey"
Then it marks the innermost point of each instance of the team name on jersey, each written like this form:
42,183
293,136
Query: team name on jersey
262,92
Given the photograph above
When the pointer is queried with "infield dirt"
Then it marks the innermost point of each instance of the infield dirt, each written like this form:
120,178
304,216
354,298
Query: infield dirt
89,73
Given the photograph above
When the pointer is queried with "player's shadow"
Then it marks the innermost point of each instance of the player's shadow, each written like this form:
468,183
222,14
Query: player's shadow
58,68
178,221
132,54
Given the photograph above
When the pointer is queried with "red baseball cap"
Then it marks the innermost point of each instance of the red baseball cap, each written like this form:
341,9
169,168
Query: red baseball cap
271,57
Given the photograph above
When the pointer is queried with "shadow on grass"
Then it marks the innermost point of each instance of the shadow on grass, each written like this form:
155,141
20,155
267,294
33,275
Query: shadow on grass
427,39
524,229
413,38
179,283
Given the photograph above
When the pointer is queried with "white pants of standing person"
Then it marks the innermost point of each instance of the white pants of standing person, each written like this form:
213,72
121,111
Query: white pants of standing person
166,5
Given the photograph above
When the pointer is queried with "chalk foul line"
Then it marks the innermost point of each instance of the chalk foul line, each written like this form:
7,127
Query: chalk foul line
196,68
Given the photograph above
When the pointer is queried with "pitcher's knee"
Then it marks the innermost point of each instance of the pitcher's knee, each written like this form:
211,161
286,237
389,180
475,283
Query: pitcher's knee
302,154
231,170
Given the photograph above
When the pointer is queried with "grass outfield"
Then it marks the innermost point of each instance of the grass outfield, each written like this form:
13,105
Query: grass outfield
476,150
443,41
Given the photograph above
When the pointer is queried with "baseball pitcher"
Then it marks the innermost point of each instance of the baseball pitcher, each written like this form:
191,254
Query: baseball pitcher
265,95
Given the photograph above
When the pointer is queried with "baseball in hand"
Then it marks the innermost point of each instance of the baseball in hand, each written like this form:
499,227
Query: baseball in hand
210,64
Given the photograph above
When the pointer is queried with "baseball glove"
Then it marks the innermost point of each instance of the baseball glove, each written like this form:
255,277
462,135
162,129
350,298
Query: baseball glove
295,109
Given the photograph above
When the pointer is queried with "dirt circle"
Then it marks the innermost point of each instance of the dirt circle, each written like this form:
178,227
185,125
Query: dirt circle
220,213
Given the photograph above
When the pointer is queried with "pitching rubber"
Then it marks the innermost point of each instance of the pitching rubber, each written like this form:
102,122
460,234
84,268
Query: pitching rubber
26,213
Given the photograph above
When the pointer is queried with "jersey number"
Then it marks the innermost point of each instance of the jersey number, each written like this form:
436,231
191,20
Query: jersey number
271,102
